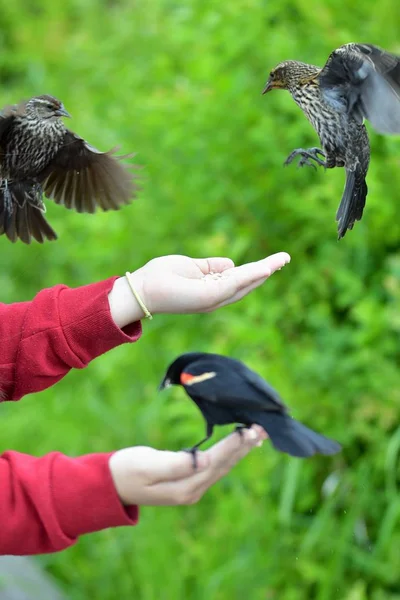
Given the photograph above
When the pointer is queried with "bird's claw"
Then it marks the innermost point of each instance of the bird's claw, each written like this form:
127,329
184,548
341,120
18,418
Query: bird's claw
239,429
35,198
304,160
193,452
8,203
306,156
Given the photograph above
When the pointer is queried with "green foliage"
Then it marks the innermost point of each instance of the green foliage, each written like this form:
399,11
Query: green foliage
180,83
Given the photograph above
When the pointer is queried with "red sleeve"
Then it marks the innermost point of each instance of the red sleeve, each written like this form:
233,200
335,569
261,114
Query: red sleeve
47,502
60,329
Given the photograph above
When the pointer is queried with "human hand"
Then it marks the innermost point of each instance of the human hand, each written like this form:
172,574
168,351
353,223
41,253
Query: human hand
179,284
149,477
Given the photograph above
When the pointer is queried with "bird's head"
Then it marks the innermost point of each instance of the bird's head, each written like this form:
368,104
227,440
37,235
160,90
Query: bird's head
288,74
186,370
45,108
281,76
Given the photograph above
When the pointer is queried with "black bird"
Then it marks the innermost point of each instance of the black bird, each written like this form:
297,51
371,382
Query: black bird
358,81
38,154
226,391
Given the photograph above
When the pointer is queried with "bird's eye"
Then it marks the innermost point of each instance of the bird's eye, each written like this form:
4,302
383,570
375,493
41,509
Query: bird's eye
50,106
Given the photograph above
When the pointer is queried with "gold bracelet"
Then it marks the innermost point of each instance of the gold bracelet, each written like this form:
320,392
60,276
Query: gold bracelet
146,311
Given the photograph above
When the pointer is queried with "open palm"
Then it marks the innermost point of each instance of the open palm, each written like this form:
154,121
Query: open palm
179,284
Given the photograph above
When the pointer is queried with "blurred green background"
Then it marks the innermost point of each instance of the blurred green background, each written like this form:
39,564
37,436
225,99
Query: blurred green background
180,83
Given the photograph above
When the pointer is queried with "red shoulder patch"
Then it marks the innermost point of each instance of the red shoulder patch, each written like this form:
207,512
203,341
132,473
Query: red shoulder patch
186,378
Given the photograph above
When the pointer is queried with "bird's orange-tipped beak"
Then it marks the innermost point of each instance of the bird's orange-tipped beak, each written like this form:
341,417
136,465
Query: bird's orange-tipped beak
268,87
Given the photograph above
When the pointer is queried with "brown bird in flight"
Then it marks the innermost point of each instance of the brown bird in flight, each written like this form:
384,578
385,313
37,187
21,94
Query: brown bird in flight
39,155
358,81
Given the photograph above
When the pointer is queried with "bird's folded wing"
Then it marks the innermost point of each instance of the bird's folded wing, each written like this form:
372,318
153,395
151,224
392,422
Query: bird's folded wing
236,396
236,387
83,178
257,382
364,81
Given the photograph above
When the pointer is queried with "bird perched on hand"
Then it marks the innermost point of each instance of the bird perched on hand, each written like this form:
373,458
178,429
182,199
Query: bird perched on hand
358,81
39,155
226,391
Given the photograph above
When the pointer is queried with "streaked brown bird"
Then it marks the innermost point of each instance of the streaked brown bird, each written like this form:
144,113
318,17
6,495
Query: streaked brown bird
358,81
39,155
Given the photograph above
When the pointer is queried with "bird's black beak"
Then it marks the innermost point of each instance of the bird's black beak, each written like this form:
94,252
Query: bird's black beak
164,384
61,112
268,87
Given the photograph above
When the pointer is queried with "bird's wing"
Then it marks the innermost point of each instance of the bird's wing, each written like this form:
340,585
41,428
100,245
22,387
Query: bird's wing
262,386
7,115
83,178
364,81
234,385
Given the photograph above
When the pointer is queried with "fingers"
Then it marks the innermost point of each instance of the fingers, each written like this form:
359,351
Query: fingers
146,476
246,273
232,448
213,465
242,280
223,456
151,477
228,452
215,264
251,273
174,466
240,294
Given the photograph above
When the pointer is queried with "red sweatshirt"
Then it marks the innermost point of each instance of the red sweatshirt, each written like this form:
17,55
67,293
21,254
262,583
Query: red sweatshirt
47,502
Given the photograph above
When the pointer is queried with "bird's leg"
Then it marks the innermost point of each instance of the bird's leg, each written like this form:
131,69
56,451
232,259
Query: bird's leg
193,449
8,203
35,197
306,156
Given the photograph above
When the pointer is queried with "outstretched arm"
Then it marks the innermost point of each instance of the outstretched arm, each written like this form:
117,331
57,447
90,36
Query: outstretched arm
47,503
64,328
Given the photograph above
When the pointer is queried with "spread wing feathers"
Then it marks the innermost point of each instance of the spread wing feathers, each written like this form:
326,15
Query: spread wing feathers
364,81
82,178
234,385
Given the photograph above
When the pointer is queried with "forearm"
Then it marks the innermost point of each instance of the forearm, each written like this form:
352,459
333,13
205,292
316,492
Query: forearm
60,329
47,503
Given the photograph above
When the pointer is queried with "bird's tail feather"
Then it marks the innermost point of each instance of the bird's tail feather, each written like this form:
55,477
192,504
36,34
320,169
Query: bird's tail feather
19,219
294,438
353,201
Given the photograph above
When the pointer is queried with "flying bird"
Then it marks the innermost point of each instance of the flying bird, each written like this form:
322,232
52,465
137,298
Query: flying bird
358,81
40,156
226,391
